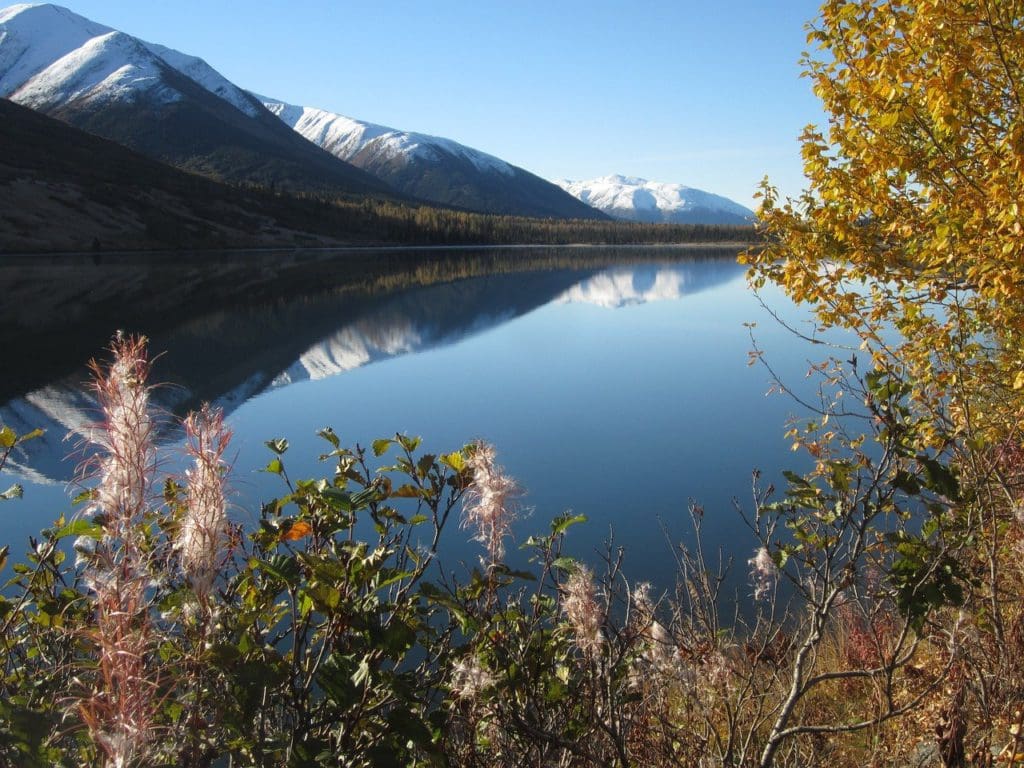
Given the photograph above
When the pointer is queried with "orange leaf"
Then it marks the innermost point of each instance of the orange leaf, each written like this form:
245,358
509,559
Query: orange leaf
296,531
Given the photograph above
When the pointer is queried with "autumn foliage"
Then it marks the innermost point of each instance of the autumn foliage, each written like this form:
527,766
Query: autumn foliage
910,235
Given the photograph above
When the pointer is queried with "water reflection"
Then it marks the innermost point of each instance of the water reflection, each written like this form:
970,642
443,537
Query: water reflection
236,328
628,286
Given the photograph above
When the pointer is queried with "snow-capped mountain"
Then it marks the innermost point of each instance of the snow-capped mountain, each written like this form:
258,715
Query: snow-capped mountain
177,109
627,197
156,100
430,167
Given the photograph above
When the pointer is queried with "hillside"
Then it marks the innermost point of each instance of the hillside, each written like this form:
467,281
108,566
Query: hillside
432,168
62,189
65,189
165,104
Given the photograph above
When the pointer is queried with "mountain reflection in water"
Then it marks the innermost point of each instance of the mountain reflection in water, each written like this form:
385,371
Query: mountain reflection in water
230,328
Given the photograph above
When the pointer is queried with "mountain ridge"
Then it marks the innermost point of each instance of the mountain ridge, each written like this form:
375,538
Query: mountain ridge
431,168
166,104
636,199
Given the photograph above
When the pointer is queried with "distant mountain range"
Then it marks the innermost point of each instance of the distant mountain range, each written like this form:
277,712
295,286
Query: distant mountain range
176,109
432,168
633,199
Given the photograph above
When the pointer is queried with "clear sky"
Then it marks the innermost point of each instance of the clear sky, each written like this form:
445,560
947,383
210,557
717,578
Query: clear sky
706,93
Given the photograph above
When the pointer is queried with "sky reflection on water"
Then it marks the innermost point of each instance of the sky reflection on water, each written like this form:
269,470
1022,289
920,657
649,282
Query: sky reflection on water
619,393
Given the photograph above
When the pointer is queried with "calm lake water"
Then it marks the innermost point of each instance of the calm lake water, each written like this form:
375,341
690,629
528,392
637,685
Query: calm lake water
614,383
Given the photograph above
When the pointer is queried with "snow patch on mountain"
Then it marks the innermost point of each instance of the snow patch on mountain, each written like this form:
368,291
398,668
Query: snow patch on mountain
620,195
113,66
345,137
50,56
32,37
198,70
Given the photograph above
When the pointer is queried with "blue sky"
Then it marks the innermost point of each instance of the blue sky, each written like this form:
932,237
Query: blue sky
702,93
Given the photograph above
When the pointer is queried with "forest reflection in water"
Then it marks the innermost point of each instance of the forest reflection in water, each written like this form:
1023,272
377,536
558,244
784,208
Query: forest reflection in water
620,415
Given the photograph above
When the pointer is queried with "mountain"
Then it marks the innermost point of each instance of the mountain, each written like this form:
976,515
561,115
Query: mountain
626,197
431,168
62,189
163,103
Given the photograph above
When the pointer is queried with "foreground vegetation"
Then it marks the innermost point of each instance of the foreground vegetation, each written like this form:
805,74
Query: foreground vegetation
150,630
886,626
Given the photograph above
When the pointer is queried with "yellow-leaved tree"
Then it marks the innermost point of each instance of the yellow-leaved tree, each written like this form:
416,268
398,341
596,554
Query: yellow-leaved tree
915,213
911,234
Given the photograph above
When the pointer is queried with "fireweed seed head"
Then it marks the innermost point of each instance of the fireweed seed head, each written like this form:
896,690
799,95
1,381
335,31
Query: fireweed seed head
204,529
656,638
124,435
583,610
491,502
470,678
642,599
762,572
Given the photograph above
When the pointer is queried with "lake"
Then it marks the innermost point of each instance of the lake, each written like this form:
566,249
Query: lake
614,382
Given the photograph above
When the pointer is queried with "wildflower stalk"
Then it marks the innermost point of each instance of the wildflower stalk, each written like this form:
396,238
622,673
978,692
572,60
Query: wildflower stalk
203,530
120,710
491,502
583,611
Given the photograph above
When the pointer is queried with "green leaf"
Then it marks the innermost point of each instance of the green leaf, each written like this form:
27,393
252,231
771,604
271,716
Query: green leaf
30,436
409,726
325,597
278,445
274,466
223,654
335,678
337,499
87,495
396,639
561,523
380,447
795,479
907,483
425,464
455,460
283,567
14,492
329,435
408,443
940,478
565,563
8,437
365,496
80,527
305,605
